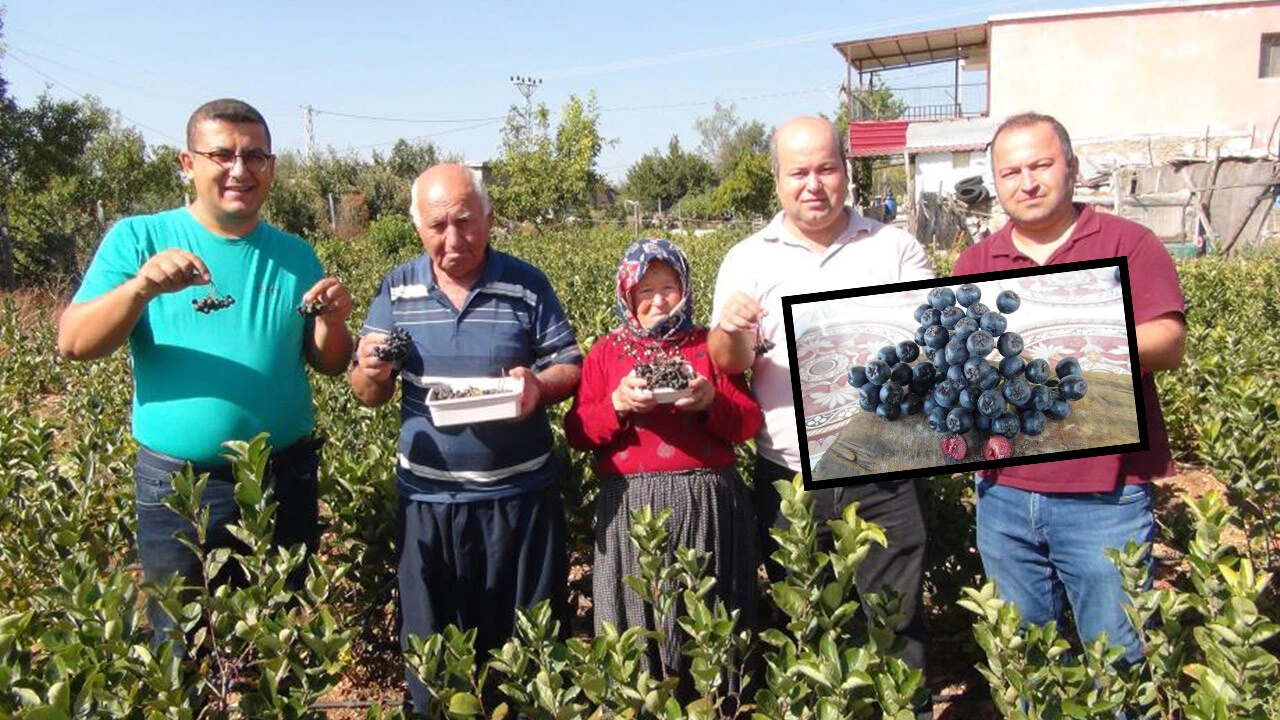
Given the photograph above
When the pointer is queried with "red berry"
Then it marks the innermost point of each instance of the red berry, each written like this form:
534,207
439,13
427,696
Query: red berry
997,447
954,446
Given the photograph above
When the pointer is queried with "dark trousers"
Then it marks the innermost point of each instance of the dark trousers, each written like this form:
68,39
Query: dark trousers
294,474
472,564
898,506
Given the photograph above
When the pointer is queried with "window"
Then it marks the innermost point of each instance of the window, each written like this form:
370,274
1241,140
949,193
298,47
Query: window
960,159
1269,56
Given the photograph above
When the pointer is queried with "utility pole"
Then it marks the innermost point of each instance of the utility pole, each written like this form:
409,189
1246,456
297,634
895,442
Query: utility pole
527,87
309,128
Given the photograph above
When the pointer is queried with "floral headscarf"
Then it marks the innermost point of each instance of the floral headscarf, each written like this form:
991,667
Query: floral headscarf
632,267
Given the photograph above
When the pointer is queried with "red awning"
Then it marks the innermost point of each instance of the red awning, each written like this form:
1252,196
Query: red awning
882,137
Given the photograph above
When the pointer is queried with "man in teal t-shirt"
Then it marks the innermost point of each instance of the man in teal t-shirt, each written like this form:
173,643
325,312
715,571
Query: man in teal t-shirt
208,298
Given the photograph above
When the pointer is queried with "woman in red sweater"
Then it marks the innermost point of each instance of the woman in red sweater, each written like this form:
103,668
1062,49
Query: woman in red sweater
678,455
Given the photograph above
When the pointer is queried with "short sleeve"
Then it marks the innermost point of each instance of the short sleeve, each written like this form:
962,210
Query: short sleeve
1153,280
554,340
378,319
118,258
729,279
315,269
914,261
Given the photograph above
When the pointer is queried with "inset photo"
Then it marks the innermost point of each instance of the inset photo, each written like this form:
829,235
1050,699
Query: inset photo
980,371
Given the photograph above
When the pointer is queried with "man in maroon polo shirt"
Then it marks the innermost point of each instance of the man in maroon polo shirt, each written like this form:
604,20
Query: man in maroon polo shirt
1043,529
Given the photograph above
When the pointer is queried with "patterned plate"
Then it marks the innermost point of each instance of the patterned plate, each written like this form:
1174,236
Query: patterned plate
824,358
1100,347
905,298
1071,288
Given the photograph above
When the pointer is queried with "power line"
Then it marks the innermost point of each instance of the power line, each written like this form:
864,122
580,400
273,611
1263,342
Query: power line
482,121
84,96
696,103
377,118
635,63
184,81
428,137
132,88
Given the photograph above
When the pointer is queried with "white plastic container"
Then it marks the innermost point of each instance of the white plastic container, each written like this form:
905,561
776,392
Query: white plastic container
502,405
666,396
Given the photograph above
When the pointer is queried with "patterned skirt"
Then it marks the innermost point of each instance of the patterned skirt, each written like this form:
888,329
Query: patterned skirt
711,512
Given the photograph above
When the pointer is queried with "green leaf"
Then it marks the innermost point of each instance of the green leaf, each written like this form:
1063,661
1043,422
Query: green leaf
788,599
464,704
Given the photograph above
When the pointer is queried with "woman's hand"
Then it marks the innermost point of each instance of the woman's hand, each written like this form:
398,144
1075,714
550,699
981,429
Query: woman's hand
704,392
633,396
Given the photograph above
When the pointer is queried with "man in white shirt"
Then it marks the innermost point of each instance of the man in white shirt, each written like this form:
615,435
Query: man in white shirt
816,244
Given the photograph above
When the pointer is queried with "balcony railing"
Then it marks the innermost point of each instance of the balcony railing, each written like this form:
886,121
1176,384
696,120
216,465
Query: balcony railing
932,102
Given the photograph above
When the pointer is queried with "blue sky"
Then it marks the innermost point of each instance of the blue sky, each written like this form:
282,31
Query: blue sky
156,61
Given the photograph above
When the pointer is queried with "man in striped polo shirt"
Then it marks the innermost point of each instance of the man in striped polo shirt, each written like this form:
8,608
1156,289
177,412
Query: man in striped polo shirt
481,524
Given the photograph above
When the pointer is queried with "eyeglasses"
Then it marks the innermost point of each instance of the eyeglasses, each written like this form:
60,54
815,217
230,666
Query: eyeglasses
254,160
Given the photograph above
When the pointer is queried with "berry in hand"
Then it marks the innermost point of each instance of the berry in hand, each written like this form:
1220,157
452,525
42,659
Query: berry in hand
211,302
395,348
665,372
312,308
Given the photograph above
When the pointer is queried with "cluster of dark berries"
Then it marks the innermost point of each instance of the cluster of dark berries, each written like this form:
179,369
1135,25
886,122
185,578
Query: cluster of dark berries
312,308
395,348
211,302
956,387
890,386
444,392
764,345
664,372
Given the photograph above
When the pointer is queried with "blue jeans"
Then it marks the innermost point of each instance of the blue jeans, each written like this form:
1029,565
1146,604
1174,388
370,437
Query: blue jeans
294,473
1047,549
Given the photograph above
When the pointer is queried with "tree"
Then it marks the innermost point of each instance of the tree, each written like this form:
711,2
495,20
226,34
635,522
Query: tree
524,185
294,205
658,180
749,186
384,181
539,176
578,145
67,196
725,137
38,145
